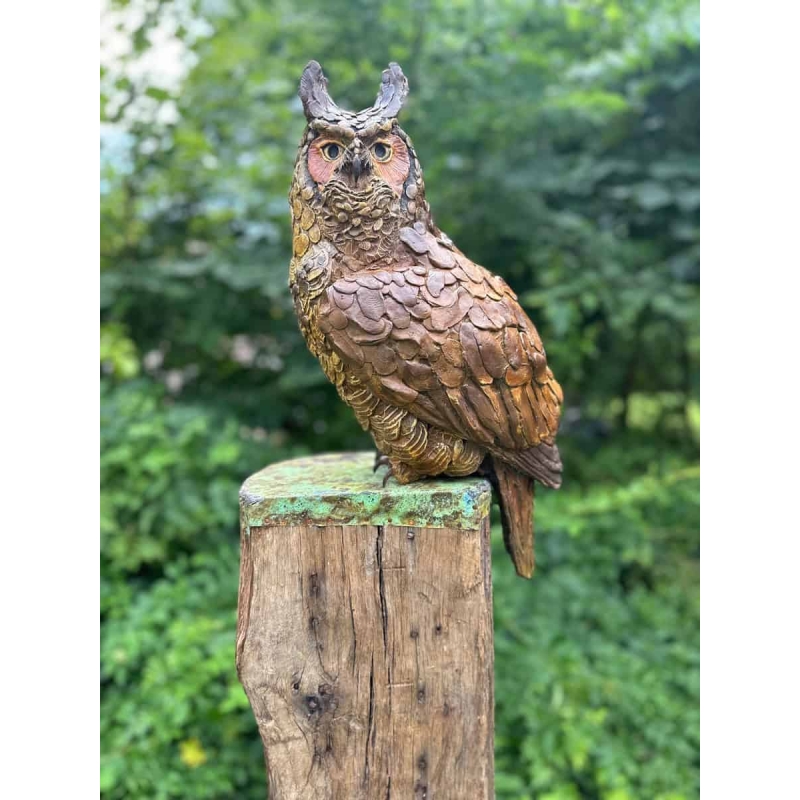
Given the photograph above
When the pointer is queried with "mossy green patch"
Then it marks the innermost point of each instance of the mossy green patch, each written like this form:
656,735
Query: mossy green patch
342,489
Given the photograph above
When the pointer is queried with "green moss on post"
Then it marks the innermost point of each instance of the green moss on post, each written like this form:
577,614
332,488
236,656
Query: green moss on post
342,489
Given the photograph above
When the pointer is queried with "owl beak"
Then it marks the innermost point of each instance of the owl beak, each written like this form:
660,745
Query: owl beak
357,165
361,165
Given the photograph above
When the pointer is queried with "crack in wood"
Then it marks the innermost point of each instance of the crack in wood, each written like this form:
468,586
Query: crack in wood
346,576
369,718
382,588
355,640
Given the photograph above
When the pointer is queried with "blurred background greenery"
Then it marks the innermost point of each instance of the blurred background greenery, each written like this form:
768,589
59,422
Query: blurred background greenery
560,144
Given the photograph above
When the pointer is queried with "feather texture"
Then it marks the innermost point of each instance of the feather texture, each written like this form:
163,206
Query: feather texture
477,351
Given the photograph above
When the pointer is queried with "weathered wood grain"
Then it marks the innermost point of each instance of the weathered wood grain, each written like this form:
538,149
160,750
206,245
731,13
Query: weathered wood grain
366,652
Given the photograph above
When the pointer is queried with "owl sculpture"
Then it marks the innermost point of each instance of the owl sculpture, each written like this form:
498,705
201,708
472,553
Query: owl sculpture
431,351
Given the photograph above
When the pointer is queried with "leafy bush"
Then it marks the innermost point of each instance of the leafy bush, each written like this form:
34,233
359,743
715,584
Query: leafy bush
175,721
171,701
597,670
596,660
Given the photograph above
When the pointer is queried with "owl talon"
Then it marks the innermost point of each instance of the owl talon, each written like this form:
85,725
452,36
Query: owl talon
380,461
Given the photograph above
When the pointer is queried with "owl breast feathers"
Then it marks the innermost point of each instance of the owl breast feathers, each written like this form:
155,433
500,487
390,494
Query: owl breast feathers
432,351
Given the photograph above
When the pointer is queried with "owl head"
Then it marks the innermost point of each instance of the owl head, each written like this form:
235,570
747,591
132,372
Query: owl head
358,170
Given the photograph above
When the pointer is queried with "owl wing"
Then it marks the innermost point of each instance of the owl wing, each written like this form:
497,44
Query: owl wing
447,340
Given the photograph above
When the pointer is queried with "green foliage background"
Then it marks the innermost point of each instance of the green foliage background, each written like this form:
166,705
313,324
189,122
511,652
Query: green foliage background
560,143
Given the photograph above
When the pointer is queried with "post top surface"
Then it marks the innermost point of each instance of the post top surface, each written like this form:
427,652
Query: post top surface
342,489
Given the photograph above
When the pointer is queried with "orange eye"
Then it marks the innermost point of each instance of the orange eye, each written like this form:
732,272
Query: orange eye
331,151
382,151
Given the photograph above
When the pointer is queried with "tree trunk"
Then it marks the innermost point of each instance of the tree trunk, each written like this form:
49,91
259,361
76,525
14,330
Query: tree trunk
365,632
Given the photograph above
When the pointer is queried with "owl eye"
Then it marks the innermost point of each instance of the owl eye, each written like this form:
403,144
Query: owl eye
331,151
382,151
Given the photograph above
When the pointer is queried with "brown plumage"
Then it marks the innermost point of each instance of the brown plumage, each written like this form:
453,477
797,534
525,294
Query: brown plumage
432,351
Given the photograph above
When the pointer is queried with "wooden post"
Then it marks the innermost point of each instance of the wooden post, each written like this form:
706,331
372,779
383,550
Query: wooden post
365,631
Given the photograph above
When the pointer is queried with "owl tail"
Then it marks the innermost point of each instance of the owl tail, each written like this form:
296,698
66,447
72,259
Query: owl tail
515,493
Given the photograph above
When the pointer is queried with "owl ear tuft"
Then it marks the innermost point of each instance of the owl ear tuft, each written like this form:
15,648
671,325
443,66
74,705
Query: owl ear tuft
393,92
314,92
